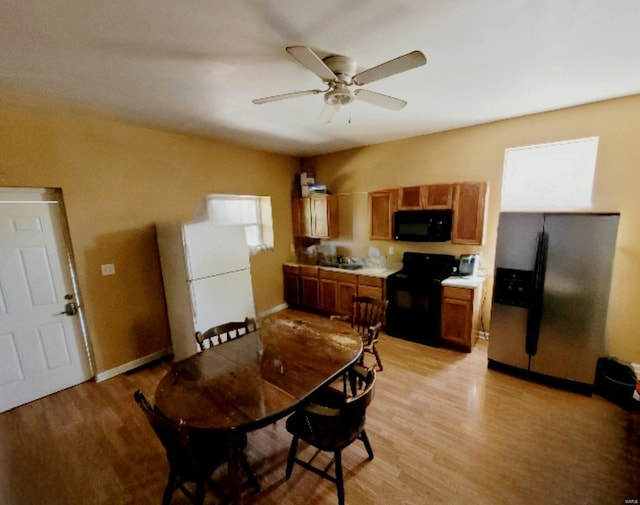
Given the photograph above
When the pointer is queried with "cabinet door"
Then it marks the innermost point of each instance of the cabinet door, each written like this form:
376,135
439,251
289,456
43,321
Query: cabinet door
309,292
301,217
410,198
328,296
468,213
438,196
292,289
381,209
456,322
346,290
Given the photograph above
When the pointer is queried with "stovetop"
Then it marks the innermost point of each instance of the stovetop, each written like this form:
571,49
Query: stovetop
427,265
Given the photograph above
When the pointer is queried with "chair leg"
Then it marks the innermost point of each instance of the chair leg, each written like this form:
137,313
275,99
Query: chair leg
339,479
253,480
378,360
367,445
292,455
169,490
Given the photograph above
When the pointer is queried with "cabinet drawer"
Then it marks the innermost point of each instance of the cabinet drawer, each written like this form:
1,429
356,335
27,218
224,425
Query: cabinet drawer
308,270
457,293
364,290
366,280
337,276
291,269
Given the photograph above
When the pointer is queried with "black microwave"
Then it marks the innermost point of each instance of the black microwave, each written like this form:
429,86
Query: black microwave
422,225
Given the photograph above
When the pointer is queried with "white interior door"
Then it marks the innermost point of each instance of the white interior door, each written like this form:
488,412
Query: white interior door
42,350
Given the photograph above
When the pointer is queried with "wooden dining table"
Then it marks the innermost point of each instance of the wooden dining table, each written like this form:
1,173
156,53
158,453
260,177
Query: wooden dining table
254,380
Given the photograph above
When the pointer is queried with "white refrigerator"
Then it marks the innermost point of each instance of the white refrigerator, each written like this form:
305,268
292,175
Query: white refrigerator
207,279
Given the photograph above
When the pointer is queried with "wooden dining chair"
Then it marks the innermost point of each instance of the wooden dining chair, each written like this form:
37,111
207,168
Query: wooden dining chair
367,317
193,454
224,332
331,422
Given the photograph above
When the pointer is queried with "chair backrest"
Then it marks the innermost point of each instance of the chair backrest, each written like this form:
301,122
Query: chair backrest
367,316
343,419
174,437
353,411
225,332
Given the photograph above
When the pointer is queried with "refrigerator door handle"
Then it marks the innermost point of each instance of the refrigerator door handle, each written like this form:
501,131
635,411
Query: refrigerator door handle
534,315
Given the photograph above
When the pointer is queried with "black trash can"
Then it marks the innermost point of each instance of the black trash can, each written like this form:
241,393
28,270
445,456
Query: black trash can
616,381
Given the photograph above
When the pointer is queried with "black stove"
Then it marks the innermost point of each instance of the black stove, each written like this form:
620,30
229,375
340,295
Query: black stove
414,295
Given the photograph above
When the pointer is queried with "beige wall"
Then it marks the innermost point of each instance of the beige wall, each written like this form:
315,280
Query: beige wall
117,180
476,154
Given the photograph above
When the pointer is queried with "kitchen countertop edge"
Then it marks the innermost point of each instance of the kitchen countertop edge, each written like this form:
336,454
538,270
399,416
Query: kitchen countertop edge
371,272
463,282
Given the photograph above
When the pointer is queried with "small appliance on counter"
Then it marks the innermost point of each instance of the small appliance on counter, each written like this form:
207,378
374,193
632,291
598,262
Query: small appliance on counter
468,265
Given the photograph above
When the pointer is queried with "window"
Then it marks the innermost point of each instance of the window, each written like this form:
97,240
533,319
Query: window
252,212
554,176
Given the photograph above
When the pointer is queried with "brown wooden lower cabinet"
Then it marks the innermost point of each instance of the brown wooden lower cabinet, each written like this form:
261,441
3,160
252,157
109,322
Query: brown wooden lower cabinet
371,286
309,287
291,284
459,323
330,291
336,291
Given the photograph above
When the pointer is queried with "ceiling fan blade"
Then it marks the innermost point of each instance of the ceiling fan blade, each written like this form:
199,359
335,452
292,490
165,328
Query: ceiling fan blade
400,64
285,96
388,102
327,113
312,61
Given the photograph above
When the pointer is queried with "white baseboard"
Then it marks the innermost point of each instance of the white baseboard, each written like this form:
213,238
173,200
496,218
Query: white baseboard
272,310
126,367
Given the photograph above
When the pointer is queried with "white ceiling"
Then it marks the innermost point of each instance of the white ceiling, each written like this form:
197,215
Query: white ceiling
195,65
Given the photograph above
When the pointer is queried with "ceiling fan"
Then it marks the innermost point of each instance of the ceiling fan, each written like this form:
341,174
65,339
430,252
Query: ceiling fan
339,74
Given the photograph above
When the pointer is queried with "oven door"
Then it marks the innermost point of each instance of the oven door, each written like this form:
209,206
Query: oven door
414,309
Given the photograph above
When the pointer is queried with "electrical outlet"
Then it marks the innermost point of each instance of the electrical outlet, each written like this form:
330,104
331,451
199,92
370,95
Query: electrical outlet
391,250
108,269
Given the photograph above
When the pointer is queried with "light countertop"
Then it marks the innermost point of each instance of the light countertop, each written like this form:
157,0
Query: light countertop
373,272
463,282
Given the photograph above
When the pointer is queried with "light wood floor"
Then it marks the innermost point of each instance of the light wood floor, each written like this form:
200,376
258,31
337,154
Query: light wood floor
444,429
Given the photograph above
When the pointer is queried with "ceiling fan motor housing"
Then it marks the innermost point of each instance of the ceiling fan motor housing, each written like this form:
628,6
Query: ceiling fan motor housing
344,68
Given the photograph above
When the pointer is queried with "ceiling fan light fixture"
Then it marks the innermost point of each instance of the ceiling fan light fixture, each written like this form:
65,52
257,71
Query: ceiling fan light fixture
340,94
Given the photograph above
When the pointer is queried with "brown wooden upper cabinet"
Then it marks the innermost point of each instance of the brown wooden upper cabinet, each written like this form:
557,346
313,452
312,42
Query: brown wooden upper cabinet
437,196
467,200
468,213
410,198
431,196
382,205
315,216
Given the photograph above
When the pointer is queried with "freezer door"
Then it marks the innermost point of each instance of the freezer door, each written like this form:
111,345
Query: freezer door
515,251
212,250
576,295
517,236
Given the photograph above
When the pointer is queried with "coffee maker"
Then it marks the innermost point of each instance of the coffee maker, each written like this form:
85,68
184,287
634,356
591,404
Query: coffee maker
468,265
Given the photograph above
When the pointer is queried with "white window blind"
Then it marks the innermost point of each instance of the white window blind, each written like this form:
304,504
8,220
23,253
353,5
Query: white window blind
252,212
554,176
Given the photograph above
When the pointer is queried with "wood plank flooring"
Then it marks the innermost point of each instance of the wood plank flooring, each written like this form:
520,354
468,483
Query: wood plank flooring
444,429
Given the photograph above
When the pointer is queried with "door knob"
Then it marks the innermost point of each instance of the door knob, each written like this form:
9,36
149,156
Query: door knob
70,309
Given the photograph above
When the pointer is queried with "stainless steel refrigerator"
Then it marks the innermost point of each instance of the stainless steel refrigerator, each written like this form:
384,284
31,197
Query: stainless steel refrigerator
551,296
